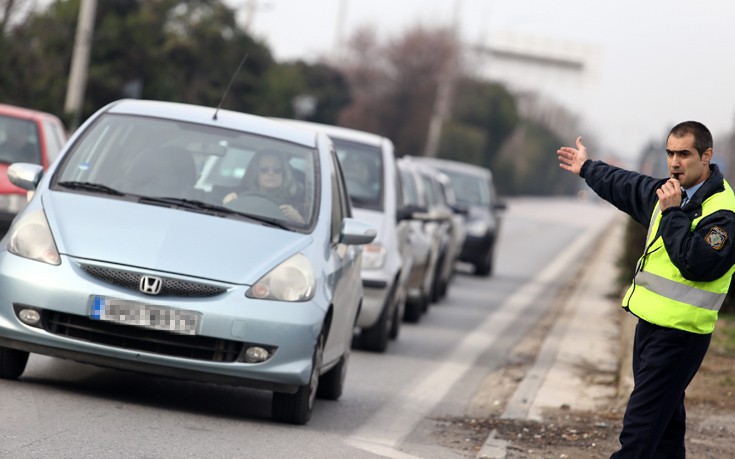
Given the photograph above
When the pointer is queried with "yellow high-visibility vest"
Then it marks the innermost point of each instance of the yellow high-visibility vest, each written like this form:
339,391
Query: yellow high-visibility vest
659,293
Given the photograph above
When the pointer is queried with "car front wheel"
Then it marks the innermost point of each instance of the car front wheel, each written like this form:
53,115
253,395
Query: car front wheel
376,338
12,363
332,383
296,408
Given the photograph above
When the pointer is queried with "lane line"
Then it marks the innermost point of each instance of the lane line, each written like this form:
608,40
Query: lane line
383,432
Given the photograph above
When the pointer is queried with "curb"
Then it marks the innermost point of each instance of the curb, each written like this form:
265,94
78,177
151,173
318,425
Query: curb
588,336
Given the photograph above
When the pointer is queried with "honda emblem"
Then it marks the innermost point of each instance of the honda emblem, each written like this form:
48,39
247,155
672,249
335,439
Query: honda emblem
150,285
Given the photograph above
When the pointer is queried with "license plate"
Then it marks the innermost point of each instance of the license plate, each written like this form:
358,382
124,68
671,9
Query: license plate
144,315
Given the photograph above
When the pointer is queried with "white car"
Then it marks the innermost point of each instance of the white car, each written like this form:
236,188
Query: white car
369,165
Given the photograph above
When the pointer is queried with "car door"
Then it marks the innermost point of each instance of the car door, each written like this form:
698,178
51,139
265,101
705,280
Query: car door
345,278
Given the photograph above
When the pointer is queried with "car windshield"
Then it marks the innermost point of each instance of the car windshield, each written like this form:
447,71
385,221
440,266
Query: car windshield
362,166
19,141
194,167
469,189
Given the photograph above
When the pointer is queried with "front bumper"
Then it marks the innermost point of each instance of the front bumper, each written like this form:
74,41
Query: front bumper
291,329
475,249
375,285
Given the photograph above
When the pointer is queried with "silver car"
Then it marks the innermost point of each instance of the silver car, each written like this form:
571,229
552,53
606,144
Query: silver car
159,243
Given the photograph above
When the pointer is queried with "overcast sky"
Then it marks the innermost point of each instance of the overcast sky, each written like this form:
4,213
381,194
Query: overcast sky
657,62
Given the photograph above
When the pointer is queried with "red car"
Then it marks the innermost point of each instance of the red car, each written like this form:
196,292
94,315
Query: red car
26,136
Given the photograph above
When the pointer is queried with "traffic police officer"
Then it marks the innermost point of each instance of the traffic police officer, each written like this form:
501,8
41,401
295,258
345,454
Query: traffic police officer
680,281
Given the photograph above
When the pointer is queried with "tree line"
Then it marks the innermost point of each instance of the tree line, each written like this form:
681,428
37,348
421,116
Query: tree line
187,51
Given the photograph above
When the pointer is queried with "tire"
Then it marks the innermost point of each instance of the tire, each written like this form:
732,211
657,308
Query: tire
376,337
297,408
485,267
332,383
436,286
12,363
414,308
395,327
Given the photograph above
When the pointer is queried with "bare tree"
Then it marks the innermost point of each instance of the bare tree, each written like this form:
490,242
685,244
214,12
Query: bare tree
395,84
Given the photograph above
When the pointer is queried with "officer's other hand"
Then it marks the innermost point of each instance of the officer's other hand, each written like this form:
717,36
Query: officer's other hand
572,159
669,195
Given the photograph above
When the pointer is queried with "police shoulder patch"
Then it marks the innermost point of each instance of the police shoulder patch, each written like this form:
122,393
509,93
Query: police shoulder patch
716,237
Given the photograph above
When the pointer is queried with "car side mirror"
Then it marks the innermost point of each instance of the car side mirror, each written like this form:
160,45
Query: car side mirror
500,205
25,175
356,232
460,209
410,212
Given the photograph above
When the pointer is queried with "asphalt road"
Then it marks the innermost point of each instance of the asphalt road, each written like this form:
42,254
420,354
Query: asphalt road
391,402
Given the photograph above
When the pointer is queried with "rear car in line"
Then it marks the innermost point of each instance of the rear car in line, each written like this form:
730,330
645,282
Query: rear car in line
28,136
128,256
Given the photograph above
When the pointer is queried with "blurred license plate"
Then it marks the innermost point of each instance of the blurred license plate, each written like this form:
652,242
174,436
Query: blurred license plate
144,315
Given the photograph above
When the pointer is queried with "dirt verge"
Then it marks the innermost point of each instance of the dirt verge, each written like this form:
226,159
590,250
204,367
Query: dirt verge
567,433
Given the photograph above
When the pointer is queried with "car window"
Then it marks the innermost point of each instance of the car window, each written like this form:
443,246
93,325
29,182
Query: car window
156,158
410,193
470,189
340,206
363,170
19,141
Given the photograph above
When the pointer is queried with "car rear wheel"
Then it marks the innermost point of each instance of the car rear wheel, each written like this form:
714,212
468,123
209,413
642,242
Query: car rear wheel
332,383
12,363
485,266
296,408
415,307
437,286
376,338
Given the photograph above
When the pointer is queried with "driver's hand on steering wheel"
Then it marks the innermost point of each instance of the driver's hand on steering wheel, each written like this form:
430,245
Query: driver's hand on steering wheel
229,198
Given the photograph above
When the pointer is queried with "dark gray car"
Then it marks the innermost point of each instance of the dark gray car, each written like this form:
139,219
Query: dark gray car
475,193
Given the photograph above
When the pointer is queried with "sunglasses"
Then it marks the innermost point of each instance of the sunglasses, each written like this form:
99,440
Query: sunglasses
274,169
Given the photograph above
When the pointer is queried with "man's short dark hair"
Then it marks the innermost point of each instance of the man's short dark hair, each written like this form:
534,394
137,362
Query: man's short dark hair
702,136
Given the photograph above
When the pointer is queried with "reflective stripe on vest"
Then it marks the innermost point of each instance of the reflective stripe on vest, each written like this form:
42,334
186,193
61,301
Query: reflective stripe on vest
680,292
661,295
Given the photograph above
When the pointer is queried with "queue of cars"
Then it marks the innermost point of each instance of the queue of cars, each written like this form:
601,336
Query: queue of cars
197,243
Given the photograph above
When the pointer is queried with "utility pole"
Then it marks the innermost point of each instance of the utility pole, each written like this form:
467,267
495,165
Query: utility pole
80,62
444,92
337,46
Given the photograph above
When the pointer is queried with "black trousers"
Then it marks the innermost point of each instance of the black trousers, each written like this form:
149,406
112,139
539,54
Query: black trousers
664,362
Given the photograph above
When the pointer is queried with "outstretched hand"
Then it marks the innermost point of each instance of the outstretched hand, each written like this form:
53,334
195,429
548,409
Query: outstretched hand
572,159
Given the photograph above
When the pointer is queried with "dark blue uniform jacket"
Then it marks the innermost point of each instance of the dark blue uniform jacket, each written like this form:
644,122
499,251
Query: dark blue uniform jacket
635,194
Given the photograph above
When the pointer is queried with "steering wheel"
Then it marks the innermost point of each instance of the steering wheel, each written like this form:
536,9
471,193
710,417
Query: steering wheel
256,203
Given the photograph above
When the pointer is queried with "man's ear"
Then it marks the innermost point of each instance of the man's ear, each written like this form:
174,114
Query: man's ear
707,156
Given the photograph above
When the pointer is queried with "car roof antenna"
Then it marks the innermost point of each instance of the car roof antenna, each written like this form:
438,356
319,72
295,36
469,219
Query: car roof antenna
228,86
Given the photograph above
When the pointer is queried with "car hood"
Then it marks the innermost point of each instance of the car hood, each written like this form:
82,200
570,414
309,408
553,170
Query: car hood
165,239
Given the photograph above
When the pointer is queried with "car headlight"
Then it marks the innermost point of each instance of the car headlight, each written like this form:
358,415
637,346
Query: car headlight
373,256
477,228
31,237
292,280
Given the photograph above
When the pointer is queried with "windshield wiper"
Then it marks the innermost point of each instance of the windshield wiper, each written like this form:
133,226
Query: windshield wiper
89,186
191,204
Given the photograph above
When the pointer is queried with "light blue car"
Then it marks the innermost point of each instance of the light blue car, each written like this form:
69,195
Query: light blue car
188,242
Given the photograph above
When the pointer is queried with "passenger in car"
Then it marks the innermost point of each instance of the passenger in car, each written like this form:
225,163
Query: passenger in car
268,174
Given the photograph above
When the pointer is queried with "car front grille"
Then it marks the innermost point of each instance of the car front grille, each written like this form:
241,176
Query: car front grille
141,339
170,287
